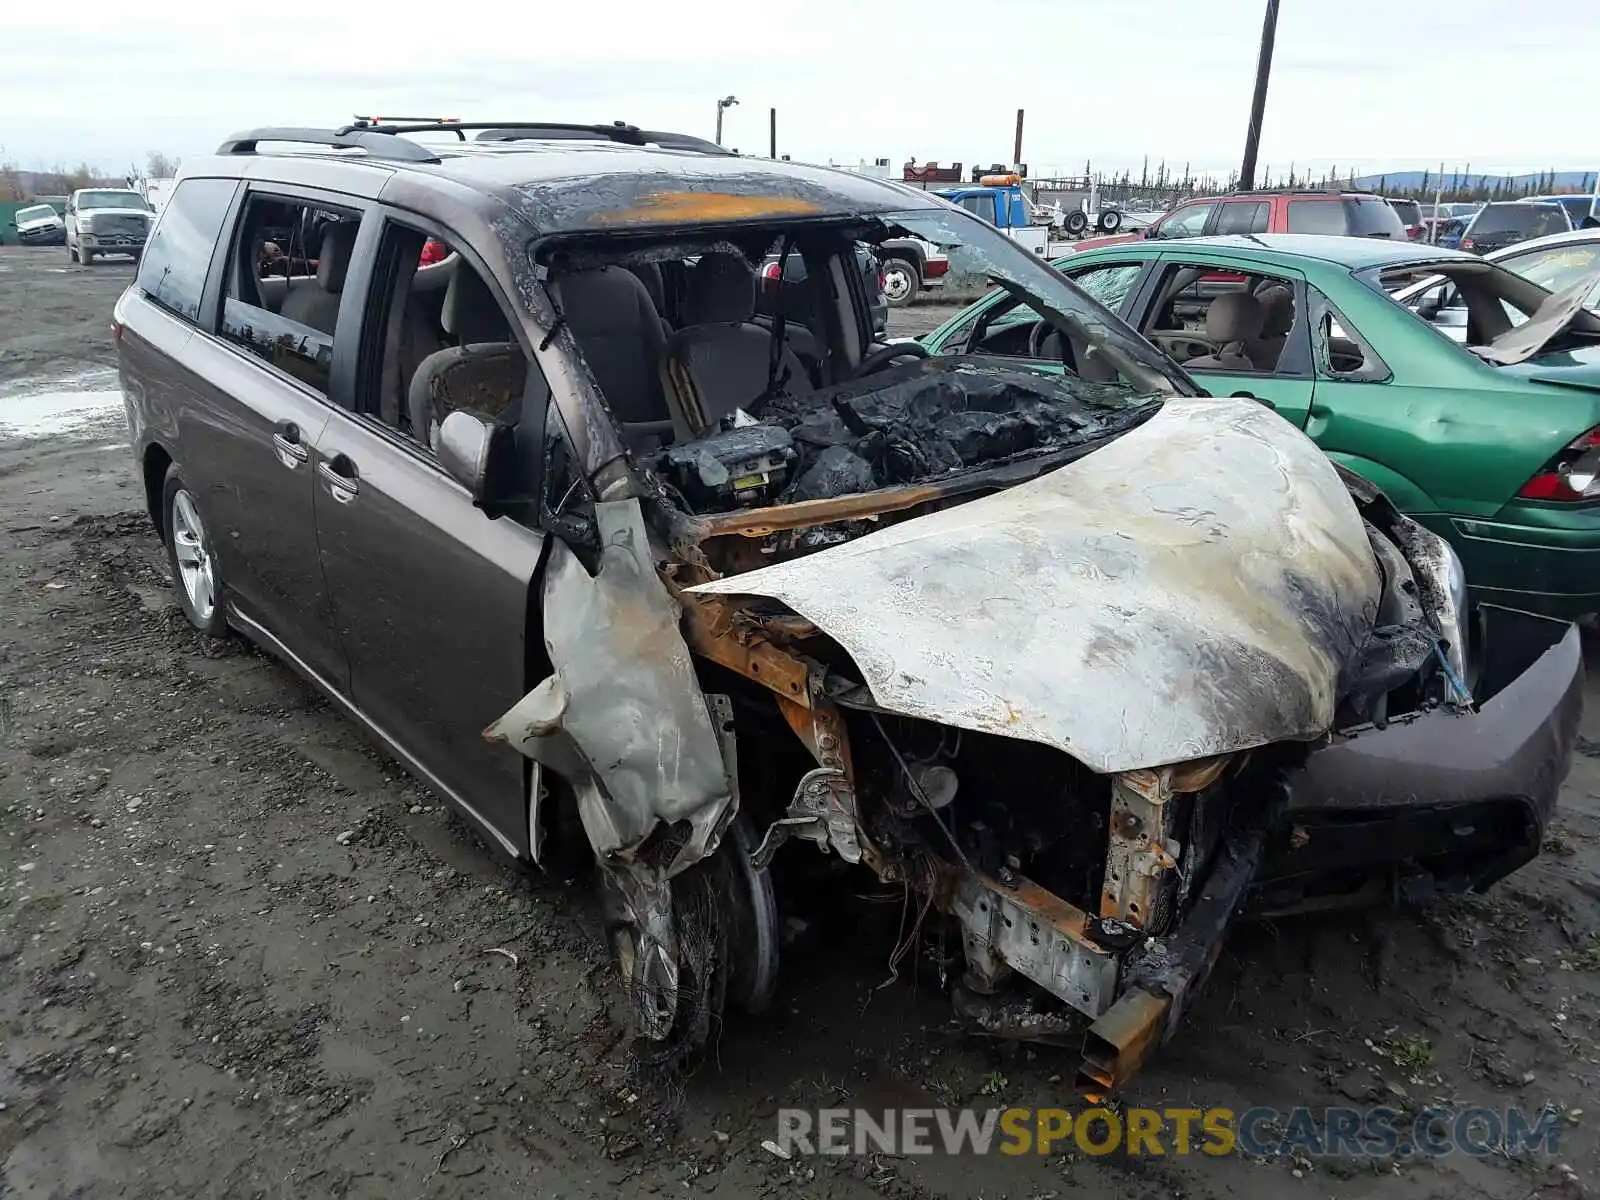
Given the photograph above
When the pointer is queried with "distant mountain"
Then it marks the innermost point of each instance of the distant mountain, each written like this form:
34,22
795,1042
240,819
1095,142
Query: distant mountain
1558,181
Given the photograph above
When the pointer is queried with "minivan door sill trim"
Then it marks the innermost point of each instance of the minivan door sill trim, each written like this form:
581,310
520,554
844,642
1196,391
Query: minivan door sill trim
256,632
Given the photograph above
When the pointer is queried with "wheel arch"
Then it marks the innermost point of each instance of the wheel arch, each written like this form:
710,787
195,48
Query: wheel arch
910,252
154,464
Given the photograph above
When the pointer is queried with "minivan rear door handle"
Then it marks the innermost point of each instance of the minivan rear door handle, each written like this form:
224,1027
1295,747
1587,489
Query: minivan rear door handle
340,474
286,443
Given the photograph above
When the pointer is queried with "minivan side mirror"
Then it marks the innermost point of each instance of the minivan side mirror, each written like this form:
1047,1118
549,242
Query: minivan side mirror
470,449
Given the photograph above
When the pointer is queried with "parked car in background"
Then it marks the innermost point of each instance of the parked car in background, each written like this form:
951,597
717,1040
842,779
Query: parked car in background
785,291
155,191
106,221
999,200
1354,214
1495,445
1580,206
1555,263
1410,214
910,267
1458,208
39,225
1505,222
1444,231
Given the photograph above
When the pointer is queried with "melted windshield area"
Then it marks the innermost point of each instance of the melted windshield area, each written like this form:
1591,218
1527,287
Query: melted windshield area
1499,315
746,366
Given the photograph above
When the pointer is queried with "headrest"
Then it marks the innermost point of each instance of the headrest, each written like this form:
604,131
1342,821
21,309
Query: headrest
470,311
721,288
1234,317
602,300
333,261
1279,317
649,274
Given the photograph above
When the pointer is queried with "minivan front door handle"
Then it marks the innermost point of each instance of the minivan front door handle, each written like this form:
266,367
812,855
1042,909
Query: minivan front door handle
340,474
286,443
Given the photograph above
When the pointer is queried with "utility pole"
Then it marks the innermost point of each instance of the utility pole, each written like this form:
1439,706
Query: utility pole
725,103
1016,145
772,133
1258,103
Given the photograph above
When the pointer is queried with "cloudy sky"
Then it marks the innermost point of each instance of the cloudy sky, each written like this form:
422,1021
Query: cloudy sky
1374,83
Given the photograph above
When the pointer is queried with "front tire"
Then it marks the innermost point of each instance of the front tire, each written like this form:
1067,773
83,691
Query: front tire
195,575
85,255
1077,221
901,282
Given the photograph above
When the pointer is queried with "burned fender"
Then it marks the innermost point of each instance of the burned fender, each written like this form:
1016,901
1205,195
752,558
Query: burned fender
623,718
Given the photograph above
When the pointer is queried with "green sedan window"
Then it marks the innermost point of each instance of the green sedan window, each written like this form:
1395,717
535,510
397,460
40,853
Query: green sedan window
1108,284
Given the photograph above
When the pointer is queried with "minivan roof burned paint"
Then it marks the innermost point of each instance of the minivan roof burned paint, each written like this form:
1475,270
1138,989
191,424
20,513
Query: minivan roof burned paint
566,186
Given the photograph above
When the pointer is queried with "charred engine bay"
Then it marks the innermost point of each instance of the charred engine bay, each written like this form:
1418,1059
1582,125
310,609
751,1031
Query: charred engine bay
911,424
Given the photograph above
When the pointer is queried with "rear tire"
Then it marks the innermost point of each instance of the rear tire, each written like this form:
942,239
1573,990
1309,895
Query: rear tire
195,576
901,281
1110,221
1077,222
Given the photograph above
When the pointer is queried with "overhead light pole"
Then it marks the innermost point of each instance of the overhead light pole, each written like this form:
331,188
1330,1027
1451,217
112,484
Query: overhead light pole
724,104
1258,103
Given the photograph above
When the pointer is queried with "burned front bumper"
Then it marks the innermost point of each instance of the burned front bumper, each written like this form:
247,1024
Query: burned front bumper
1443,800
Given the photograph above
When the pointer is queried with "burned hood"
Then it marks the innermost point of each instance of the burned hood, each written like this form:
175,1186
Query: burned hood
1195,587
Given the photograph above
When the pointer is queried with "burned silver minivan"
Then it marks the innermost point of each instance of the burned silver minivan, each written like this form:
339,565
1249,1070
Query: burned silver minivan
1088,661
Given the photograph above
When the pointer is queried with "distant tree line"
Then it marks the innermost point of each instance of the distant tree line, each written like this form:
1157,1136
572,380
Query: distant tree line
1453,186
17,185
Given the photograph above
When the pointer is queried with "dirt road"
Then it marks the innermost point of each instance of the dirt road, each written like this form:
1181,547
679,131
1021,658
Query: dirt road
241,954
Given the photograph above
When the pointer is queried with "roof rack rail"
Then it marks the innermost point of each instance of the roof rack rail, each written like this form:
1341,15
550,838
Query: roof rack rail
512,131
1306,190
378,144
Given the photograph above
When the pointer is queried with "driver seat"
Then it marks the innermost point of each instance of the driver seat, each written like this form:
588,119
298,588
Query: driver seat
721,359
1233,321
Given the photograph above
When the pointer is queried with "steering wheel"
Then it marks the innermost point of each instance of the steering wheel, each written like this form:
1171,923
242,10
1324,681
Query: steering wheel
881,358
1170,340
1039,335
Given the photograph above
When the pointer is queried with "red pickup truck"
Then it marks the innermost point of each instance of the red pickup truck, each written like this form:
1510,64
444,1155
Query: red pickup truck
1351,214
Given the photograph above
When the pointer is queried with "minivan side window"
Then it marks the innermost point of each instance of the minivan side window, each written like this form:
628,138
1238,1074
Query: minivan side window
285,283
172,271
439,339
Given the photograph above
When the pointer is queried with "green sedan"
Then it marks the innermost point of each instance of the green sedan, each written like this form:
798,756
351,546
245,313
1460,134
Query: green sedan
1491,439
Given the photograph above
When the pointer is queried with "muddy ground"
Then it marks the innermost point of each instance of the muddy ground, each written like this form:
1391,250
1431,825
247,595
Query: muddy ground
242,954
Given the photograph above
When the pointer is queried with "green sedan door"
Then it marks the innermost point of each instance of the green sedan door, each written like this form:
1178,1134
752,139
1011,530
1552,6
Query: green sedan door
1237,326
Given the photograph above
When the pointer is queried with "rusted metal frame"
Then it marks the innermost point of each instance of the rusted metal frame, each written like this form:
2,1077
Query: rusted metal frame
1141,852
1117,1044
1020,926
1161,976
714,630
823,809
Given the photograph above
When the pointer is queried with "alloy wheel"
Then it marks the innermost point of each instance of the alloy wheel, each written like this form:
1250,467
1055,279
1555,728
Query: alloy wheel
193,553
